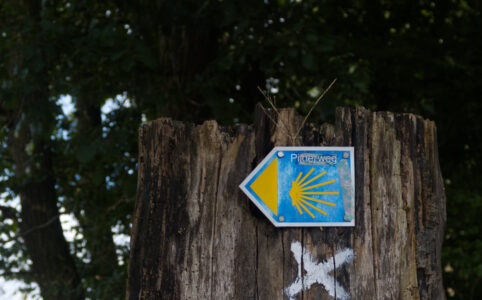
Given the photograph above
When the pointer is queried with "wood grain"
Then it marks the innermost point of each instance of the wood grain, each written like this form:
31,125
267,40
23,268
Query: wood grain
195,235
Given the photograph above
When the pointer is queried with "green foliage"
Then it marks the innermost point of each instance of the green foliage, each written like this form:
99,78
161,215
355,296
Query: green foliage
462,248
194,60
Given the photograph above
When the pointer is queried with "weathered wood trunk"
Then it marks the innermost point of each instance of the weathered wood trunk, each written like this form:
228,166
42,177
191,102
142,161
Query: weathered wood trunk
197,236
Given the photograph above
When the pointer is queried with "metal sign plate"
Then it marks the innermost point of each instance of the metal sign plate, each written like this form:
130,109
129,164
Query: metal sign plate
305,186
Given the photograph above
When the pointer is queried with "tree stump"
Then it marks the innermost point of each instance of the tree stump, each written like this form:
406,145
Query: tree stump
195,234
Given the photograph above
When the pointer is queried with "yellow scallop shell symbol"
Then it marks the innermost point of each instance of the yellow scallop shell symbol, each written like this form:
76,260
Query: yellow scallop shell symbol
299,193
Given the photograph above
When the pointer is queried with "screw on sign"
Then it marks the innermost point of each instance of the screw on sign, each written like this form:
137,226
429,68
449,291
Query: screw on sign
305,186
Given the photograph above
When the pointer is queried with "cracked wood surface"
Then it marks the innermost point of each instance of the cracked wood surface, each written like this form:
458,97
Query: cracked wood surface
195,234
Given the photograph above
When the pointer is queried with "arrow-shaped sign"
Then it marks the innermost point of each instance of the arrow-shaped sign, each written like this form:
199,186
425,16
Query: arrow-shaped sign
304,186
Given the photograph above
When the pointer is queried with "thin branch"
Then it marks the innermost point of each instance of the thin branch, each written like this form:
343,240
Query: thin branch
268,115
30,230
304,120
119,202
277,114
269,100
314,105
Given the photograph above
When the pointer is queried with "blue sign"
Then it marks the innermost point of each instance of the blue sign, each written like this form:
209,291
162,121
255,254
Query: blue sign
305,186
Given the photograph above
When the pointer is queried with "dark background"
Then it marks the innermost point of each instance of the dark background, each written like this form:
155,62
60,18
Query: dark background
197,60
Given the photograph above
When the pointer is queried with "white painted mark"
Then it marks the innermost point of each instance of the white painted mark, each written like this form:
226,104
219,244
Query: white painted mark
318,272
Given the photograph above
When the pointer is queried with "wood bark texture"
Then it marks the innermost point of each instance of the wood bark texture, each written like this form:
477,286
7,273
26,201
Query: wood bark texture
197,236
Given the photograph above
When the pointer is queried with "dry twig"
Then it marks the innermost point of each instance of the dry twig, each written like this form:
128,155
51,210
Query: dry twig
304,120
314,105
